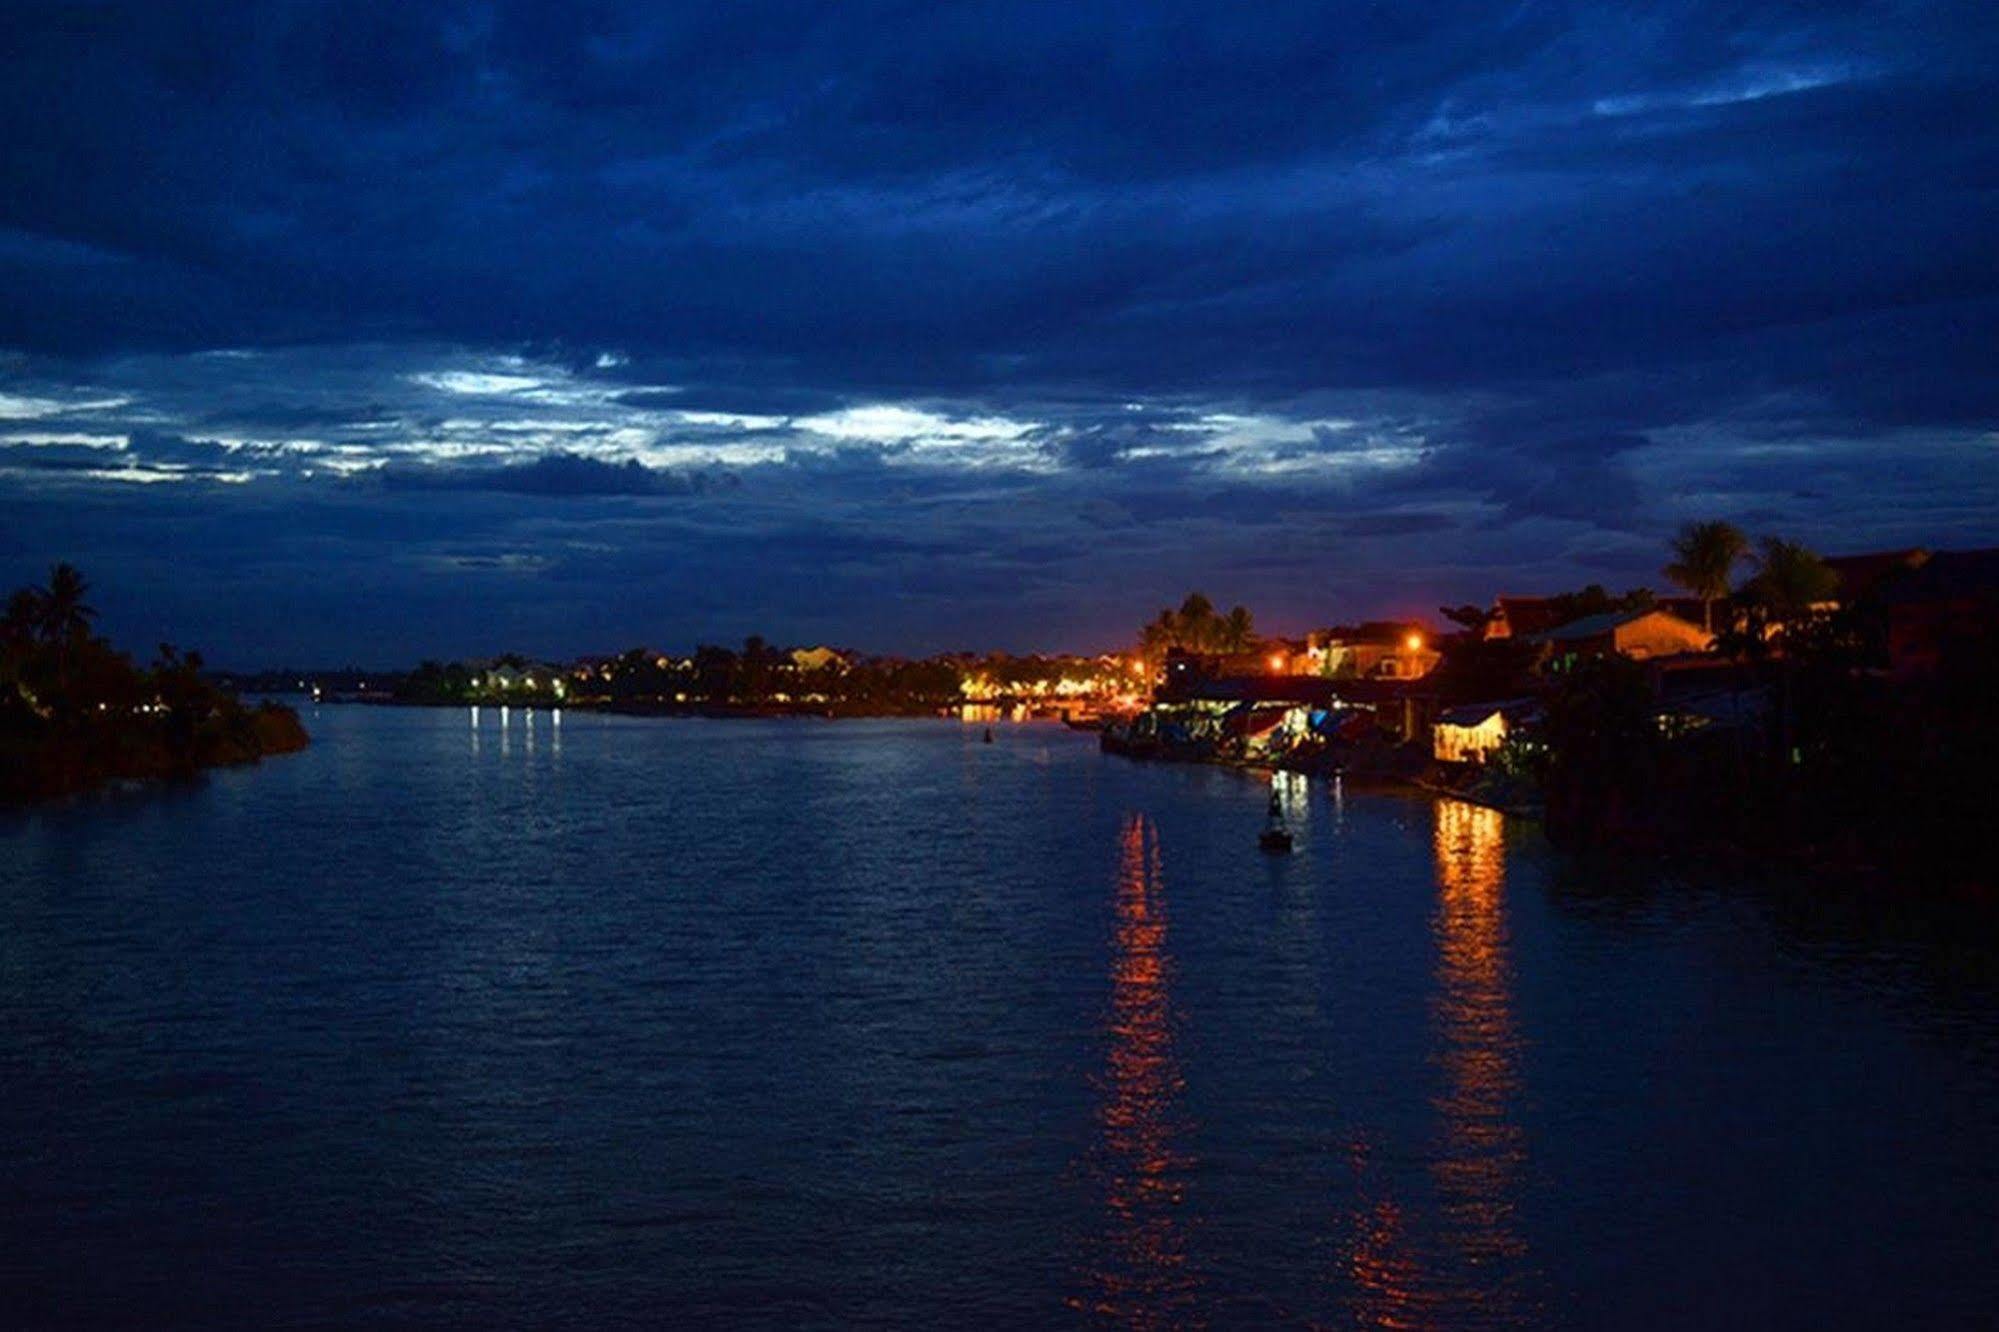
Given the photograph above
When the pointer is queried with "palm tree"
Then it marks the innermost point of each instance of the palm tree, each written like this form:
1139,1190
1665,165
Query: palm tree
1197,627
17,635
1704,560
23,617
64,619
64,615
1790,580
1238,630
1155,638
1197,623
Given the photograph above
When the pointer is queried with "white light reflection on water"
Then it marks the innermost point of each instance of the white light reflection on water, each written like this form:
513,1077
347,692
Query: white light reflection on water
1293,791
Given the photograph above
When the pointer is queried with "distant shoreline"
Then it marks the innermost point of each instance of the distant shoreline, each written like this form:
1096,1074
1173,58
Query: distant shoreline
836,711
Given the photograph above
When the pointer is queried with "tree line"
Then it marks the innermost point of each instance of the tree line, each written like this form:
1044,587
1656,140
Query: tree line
1197,626
76,712
760,674
1787,579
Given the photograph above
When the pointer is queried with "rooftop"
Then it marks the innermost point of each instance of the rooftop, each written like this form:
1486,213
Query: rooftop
1591,626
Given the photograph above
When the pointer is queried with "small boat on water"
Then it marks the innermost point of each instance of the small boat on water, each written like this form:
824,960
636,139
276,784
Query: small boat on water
1275,837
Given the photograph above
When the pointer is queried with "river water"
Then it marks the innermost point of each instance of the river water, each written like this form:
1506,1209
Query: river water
464,1021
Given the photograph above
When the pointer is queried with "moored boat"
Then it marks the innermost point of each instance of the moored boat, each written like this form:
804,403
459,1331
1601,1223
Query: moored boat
1275,837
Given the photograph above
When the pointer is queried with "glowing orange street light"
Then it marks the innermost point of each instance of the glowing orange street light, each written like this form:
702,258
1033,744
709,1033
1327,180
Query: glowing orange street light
1415,642
1276,662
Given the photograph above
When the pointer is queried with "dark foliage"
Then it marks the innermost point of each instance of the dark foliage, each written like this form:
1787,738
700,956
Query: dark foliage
76,713
1848,767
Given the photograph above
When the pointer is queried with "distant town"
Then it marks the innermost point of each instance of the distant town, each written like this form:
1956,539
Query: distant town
1772,700
1775,703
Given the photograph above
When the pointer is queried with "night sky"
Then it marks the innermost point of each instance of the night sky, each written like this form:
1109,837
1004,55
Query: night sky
338,333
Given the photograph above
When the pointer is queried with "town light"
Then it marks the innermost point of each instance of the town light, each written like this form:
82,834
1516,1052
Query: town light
1414,642
1276,662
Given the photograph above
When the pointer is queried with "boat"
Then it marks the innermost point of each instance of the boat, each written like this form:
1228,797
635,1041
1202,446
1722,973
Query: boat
989,735
1275,837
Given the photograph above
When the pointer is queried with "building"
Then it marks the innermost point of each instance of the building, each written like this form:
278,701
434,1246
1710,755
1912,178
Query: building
1279,657
1192,689
1949,607
1638,634
1273,656
1275,673
1377,649
1469,733
505,677
817,659
1860,575
1520,617
1694,611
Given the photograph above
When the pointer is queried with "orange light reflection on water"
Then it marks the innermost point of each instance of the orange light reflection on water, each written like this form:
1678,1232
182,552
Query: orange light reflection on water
1465,1265
1140,1275
1478,1172
1387,1284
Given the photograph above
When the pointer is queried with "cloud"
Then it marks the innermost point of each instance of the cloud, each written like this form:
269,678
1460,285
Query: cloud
1057,311
554,475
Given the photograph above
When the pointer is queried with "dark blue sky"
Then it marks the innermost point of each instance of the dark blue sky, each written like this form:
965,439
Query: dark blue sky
335,332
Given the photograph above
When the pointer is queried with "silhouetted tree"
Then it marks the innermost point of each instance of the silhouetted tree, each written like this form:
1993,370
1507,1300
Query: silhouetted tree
1238,631
758,659
74,711
64,621
1704,560
714,672
63,612
1790,580
1197,627
1471,617
23,618
1595,600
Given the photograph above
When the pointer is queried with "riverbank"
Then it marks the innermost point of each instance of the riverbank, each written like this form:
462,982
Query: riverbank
1387,766
832,710
835,711
61,757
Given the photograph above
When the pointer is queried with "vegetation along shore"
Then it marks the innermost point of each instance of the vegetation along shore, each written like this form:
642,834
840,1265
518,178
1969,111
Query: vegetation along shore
76,713
1772,705
1837,713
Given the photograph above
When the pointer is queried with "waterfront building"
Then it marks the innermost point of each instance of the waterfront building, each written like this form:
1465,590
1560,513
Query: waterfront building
1470,732
1638,634
1377,649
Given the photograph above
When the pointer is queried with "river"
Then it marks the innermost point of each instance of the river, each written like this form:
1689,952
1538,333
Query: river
458,1020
